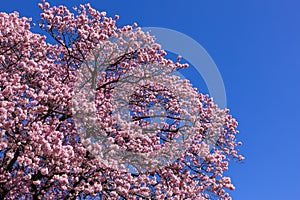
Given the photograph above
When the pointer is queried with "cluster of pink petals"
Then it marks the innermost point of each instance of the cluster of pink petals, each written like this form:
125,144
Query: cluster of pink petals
41,154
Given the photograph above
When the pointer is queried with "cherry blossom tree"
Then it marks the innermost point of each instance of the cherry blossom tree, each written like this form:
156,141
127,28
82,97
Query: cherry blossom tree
99,114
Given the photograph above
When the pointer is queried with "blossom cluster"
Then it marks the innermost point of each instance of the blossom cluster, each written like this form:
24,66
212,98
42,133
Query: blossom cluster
45,153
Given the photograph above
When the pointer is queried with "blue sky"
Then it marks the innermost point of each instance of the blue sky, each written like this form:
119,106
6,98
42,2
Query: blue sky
256,46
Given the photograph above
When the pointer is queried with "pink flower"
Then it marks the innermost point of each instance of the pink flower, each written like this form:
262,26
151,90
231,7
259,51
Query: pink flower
36,182
140,109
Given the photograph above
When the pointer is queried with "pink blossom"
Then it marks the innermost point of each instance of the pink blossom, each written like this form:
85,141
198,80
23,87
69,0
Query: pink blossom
44,152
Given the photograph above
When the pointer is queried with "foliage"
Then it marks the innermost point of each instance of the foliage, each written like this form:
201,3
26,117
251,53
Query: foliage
42,155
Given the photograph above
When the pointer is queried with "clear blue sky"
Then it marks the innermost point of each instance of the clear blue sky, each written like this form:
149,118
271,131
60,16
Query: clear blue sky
256,46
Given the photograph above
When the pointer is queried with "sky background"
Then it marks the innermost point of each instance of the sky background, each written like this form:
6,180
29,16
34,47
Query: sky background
256,46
